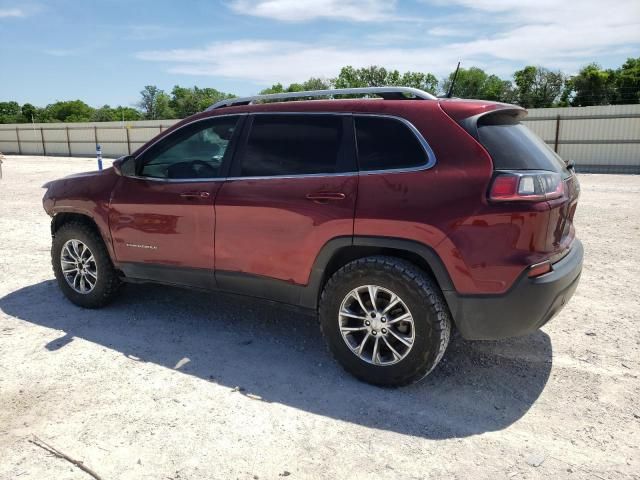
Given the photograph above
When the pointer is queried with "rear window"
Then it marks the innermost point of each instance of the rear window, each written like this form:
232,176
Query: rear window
387,143
513,146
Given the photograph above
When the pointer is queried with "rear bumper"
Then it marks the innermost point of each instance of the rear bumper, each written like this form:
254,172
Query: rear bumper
527,306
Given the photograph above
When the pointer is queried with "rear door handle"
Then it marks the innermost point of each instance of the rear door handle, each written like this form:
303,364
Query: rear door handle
203,195
324,197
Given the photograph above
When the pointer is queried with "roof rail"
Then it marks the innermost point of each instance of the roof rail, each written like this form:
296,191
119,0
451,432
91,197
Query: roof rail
388,93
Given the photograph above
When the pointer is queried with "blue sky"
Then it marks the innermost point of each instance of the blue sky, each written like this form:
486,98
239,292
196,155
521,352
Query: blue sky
106,51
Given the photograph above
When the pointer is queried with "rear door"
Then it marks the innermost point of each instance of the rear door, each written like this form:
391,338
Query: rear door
291,189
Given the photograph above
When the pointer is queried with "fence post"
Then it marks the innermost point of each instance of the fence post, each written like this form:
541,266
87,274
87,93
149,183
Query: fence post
555,145
44,148
68,141
18,139
160,127
128,141
99,155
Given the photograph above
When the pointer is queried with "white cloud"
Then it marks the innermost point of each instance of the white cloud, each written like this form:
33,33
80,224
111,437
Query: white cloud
551,32
265,62
524,32
301,11
449,32
11,12
551,11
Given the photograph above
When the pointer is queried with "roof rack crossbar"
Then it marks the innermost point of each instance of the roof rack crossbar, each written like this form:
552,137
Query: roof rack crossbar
388,93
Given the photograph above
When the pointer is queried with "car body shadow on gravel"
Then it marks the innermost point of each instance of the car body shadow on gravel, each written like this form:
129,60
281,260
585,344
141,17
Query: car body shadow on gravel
276,355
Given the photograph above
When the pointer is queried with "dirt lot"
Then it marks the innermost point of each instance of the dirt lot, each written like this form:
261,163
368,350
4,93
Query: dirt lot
171,384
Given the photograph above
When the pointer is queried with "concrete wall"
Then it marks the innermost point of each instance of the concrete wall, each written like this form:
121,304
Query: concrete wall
599,139
79,139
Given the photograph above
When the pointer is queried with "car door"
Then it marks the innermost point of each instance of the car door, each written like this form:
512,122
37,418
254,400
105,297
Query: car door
291,189
162,219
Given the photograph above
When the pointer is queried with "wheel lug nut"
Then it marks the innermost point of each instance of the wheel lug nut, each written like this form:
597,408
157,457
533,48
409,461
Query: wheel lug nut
367,323
384,330
374,333
383,320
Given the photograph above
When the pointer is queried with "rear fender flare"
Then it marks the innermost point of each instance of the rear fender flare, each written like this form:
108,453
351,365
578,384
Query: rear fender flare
319,276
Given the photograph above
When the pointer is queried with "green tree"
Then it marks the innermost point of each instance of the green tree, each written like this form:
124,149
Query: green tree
591,86
275,88
375,76
9,112
316,83
183,102
128,114
187,101
28,113
311,84
104,114
538,87
476,83
118,114
68,111
155,103
423,81
628,82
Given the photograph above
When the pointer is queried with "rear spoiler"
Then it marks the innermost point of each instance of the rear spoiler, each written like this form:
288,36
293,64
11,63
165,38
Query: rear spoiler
510,113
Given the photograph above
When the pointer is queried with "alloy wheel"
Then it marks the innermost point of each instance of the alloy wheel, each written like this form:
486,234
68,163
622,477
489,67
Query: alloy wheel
376,325
79,266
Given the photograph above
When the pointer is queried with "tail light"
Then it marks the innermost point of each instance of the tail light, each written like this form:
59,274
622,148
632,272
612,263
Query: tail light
526,186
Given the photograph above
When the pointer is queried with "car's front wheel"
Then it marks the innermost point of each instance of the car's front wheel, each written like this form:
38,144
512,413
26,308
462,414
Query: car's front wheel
385,320
82,266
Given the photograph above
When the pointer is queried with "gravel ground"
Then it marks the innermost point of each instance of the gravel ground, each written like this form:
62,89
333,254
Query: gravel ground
172,384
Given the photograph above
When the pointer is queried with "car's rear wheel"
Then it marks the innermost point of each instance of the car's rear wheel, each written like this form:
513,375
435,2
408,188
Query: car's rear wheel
82,266
385,320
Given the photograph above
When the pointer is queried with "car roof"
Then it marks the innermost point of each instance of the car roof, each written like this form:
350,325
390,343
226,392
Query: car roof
456,108
461,108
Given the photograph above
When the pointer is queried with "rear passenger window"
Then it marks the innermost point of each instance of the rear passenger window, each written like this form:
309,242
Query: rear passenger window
387,143
292,145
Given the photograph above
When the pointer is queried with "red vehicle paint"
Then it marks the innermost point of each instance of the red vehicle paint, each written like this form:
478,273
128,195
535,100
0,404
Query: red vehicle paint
282,237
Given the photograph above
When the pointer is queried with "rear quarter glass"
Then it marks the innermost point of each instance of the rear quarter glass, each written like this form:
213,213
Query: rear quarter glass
513,146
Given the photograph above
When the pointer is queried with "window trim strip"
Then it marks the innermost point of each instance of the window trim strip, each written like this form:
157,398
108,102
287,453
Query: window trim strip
431,158
203,119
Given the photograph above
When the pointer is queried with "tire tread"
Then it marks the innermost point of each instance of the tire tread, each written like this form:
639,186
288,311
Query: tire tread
109,275
415,278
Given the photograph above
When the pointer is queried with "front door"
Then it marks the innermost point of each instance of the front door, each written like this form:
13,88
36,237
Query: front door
163,219
291,189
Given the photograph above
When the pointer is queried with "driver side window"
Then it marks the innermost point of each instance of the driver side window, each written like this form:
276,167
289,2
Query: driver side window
195,151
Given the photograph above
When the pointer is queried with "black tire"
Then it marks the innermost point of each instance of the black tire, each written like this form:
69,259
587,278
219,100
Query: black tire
107,283
431,317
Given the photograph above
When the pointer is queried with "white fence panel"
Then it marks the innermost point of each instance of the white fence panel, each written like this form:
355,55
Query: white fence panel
598,139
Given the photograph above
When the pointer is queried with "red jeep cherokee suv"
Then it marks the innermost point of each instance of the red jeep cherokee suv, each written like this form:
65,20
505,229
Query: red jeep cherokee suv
395,219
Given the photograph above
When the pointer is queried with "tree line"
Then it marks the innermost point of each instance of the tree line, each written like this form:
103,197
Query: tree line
531,87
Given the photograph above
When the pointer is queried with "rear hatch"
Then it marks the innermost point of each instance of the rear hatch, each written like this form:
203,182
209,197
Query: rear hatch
526,169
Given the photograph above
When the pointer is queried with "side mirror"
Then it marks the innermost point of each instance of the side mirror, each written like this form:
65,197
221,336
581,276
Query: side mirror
125,166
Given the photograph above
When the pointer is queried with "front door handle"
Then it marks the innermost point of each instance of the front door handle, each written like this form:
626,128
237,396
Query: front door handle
324,197
191,195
